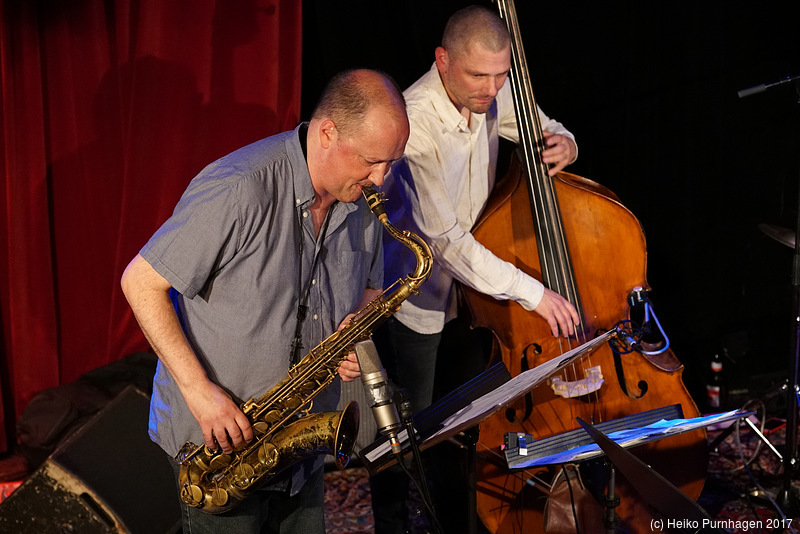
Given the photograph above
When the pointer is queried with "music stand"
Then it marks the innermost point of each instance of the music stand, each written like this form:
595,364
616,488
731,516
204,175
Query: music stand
612,438
629,431
470,404
685,514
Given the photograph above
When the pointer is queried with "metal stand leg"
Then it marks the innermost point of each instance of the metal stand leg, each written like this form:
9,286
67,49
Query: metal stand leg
611,519
787,500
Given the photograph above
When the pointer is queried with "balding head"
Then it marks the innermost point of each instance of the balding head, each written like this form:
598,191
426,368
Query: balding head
475,25
357,130
351,95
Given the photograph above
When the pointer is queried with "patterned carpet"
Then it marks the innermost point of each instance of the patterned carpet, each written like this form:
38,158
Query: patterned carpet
348,507
738,502
743,495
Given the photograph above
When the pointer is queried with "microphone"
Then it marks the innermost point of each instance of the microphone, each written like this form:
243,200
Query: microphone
380,392
760,88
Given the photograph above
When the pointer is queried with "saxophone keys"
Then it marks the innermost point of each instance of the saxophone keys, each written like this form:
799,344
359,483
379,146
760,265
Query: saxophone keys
220,461
307,387
192,495
271,416
186,452
244,475
322,375
219,497
268,455
261,427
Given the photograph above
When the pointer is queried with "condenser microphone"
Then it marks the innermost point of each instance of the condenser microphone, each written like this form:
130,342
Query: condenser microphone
380,392
760,88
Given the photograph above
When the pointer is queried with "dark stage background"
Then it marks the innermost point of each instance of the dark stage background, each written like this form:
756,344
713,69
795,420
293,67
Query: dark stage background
650,91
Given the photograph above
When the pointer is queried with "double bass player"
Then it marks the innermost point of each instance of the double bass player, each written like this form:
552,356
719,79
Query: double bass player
457,112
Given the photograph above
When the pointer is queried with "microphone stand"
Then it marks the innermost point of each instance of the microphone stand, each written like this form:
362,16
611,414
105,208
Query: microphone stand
406,415
786,499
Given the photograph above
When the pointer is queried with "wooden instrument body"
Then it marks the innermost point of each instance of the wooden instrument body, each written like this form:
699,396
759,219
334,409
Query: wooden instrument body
608,252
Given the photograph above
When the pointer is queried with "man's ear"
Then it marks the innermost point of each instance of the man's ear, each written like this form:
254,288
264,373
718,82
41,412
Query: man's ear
327,133
442,59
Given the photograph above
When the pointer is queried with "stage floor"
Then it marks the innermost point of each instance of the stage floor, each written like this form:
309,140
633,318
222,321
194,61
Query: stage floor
730,495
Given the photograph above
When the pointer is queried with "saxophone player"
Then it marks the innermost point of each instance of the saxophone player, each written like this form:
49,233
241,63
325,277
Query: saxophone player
267,252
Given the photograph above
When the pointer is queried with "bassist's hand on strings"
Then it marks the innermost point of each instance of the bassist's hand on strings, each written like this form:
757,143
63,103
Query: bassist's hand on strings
559,313
560,152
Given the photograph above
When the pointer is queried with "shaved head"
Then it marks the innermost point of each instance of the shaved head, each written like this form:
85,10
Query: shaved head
475,25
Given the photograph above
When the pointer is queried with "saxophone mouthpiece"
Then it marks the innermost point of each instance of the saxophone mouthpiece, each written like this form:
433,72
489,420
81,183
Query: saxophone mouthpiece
375,201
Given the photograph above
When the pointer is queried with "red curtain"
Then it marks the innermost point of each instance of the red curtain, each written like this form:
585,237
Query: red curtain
108,109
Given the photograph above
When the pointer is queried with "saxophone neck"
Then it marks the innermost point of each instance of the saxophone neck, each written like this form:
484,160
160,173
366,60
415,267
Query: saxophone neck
422,252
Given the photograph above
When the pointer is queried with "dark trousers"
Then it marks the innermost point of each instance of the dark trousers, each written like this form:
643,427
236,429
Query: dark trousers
428,366
264,512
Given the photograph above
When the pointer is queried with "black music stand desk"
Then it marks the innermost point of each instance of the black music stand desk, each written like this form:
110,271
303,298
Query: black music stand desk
473,402
682,514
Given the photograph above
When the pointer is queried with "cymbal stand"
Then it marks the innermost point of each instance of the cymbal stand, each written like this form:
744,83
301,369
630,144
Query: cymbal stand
786,499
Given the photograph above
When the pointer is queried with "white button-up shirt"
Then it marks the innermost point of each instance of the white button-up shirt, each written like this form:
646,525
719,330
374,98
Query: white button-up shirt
438,189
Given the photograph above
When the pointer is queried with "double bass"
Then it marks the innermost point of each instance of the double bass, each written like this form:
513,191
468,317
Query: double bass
580,241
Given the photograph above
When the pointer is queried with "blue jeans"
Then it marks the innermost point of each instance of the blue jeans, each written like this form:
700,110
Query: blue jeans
264,512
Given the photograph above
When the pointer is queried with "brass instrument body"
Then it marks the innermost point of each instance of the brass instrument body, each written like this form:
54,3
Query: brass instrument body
285,431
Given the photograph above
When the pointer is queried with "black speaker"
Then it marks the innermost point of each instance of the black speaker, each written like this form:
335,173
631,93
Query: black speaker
107,477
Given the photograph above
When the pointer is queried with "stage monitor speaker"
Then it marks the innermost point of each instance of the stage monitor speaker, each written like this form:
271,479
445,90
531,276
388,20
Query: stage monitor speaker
107,477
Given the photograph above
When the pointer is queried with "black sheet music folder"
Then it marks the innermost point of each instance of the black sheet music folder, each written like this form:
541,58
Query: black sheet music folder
429,421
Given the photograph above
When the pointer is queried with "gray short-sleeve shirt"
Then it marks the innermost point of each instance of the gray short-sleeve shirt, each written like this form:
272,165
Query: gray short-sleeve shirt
231,252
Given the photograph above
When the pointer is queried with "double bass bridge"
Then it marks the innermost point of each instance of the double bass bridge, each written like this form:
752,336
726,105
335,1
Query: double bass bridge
571,389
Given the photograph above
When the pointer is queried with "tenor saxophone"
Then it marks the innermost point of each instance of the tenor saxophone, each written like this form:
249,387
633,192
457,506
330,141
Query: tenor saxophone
285,432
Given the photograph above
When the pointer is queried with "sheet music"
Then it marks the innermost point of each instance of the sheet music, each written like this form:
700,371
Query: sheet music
484,406
477,410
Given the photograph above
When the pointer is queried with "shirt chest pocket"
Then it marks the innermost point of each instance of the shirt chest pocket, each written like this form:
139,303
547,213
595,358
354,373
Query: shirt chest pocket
352,269
348,277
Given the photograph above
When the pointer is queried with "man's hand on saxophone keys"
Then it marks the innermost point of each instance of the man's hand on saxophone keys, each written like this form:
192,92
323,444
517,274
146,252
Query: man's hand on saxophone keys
349,369
223,424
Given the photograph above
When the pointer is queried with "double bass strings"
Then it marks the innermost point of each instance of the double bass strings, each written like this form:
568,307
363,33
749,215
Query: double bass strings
555,262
